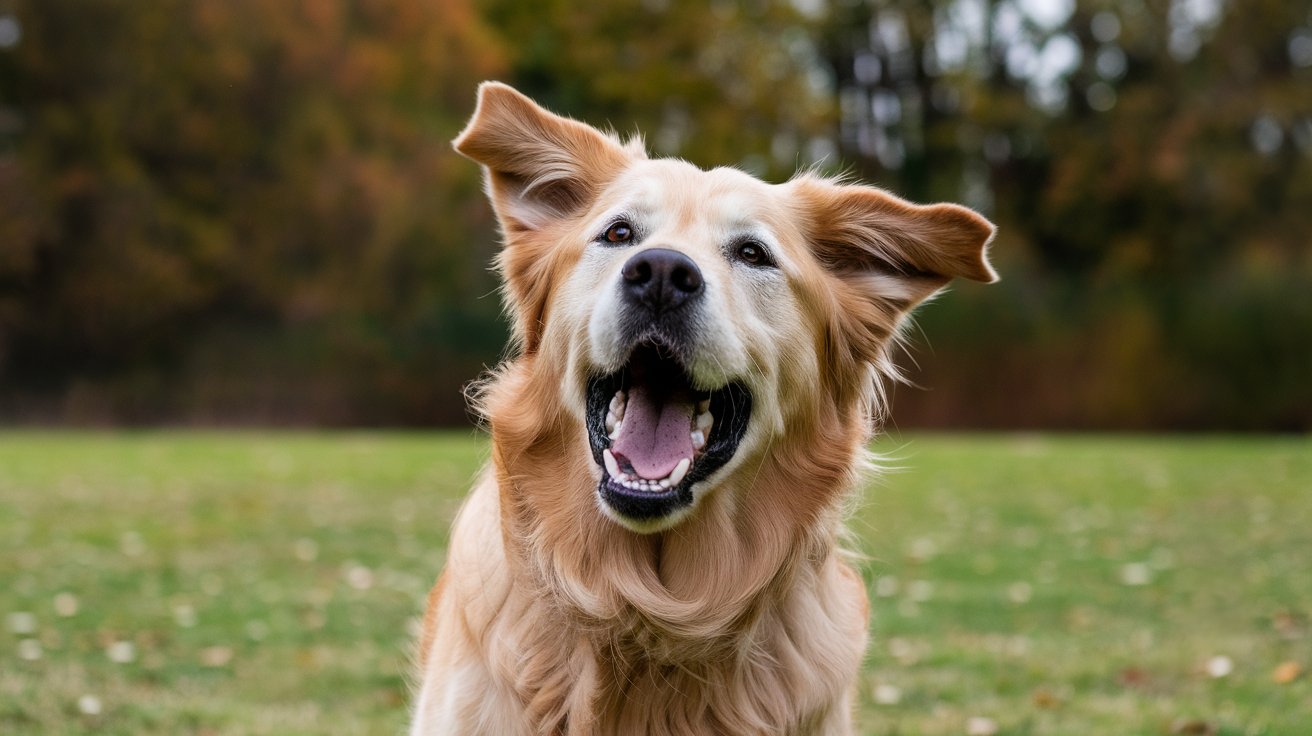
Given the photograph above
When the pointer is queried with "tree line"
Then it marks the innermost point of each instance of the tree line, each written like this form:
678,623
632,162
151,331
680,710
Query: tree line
248,212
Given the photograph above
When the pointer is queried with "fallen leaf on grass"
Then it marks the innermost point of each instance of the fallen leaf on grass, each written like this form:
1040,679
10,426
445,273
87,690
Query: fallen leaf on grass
308,659
1193,726
217,656
1045,698
395,698
1080,618
1289,624
1286,672
981,726
66,604
1133,677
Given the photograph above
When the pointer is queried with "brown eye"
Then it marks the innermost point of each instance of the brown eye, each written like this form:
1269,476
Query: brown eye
753,253
620,232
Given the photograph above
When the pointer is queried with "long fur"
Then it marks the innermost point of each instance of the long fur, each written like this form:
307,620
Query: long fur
745,618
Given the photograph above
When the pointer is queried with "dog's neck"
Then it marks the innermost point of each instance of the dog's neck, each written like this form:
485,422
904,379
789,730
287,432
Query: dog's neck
739,552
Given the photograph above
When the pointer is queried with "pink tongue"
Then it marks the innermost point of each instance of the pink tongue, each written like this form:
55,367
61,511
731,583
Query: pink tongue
655,434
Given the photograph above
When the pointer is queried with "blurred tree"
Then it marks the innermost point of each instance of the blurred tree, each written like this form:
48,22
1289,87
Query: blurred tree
736,82
249,209
1144,161
176,171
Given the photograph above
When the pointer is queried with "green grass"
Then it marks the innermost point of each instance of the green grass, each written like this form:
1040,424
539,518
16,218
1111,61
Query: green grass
269,583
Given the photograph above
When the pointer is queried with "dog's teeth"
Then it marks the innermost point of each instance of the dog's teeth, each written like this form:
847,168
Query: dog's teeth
679,471
617,404
703,406
619,423
665,483
612,467
610,423
698,439
704,421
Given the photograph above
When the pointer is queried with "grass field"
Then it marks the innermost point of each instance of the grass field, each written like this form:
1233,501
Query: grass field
269,583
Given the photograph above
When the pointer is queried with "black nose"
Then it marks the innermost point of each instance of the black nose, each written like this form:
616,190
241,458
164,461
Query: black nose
661,279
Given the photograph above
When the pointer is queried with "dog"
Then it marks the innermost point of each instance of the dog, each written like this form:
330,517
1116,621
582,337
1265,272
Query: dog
698,363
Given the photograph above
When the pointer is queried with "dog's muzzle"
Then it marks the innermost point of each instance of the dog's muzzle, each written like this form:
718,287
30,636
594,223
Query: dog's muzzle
654,432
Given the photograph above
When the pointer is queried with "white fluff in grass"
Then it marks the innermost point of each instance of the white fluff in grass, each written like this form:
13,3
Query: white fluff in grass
360,577
886,586
215,656
1220,666
886,694
1020,592
1136,574
89,705
29,650
121,652
66,604
920,590
21,622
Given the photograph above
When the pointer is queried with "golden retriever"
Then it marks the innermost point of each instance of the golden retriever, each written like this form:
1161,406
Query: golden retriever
654,547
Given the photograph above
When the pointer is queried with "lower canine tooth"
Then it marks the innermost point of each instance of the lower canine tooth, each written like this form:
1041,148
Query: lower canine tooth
679,471
612,467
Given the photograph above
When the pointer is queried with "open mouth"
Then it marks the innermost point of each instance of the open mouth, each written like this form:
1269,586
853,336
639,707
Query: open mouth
655,435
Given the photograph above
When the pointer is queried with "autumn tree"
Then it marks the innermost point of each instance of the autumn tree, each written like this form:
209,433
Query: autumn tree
1146,163
258,193
249,210
722,83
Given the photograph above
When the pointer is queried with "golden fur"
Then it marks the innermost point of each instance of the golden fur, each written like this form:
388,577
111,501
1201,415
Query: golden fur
741,616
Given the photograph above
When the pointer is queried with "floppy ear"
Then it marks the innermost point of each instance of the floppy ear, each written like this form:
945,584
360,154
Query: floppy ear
539,166
887,255
860,232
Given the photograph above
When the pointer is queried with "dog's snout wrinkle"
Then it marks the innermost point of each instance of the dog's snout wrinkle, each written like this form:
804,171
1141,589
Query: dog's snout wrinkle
661,280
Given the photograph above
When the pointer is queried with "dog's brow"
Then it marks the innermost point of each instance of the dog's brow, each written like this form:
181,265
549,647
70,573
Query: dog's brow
633,211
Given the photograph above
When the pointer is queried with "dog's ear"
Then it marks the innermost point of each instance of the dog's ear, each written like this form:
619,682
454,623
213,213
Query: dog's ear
862,232
887,255
540,167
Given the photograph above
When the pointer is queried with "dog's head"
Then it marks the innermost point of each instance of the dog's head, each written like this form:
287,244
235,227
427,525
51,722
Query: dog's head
699,317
